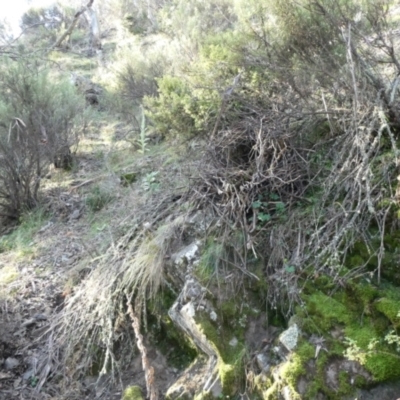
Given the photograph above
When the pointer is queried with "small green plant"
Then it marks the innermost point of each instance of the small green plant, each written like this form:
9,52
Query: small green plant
264,209
128,178
289,268
261,206
34,381
150,183
97,199
355,353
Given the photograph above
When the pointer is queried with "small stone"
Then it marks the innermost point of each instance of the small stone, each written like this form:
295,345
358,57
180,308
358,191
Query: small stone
188,309
262,362
40,317
287,393
75,214
187,254
216,389
290,337
17,383
27,374
11,363
213,316
234,342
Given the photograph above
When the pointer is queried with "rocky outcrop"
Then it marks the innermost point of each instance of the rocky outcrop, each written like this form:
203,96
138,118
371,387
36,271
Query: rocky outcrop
204,371
306,357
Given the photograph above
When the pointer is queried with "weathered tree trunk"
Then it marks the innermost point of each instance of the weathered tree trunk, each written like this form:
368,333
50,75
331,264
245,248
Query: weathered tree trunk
152,392
95,42
149,11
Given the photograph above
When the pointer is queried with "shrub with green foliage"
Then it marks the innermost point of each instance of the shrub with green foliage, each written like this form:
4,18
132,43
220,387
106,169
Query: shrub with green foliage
41,117
134,75
42,25
174,110
313,109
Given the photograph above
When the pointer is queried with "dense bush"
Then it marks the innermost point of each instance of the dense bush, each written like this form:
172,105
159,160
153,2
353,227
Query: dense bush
316,104
40,119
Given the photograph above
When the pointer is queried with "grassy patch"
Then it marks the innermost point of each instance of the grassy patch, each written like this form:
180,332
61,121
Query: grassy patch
74,62
20,240
98,198
8,274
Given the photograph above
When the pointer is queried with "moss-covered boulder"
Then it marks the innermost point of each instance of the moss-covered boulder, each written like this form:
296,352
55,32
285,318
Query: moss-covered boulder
348,342
132,393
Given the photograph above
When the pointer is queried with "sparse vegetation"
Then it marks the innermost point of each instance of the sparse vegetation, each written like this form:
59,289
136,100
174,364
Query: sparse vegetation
40,122
21,240
98,198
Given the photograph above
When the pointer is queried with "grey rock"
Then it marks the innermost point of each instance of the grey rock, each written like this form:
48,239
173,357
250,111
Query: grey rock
11,363
28,374
287,393
290,337
385,391
216,388
263,362
188,253
75,214
234,342
40,317
214,317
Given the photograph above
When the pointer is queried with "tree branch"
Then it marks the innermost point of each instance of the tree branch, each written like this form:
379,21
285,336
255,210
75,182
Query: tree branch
73,24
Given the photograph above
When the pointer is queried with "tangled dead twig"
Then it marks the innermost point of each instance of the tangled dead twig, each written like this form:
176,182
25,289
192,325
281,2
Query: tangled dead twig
305,183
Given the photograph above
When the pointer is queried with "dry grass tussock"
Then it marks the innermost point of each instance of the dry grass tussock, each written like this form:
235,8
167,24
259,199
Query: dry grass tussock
94,319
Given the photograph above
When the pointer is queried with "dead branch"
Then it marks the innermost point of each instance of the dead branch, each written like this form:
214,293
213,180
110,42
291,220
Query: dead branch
147,368
72,25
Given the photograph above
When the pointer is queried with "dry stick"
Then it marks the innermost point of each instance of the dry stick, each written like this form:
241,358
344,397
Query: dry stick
382,246
147,368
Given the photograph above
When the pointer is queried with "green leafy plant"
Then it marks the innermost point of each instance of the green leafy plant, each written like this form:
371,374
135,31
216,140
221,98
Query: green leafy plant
149,181
264,208
355,353
34,380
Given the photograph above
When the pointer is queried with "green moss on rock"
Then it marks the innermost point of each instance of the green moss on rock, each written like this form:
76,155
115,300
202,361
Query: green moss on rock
132,393
165,335
230,368
364,314
391,309
384,366
326,311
